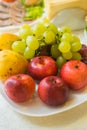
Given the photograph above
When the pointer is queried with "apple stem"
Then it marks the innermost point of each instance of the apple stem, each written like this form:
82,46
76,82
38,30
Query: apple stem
52,80
41,60
76,66
18,77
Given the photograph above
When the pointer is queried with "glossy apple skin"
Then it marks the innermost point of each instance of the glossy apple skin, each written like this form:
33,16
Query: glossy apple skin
74,73
20,87
42,66
53,91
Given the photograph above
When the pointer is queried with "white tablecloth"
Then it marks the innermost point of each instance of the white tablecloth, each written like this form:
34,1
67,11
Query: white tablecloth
74,119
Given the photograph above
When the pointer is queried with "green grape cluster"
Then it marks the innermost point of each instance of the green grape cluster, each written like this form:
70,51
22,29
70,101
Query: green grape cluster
44,38
68,45
35,39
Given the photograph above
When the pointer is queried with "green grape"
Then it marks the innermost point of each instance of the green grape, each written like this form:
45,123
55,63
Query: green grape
67,55
66,29
42,43
38,30
28,53
19,46
45,20
75,39
66,37
54,51
52,27
76,56
64,47
24,31
32,42
60,61
49,37
76,46
59,34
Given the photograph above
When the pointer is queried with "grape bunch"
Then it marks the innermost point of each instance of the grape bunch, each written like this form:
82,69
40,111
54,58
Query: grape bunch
83,52
44,38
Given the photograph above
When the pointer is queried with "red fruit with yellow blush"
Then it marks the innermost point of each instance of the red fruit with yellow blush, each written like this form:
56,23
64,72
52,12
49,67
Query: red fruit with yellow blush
42,66
20,87
74,73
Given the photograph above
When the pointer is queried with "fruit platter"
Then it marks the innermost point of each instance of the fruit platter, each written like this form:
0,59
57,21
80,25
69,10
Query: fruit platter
43,69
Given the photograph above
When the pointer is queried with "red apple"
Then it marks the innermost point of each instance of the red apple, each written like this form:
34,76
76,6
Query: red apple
42,66
53,91
20,87
74,73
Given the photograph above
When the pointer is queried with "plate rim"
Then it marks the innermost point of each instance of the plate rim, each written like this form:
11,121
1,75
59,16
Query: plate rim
8,100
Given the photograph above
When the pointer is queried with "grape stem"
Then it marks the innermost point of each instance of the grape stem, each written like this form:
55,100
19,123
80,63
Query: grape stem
86,28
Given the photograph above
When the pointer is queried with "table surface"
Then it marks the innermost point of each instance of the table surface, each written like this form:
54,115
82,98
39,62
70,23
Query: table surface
74,119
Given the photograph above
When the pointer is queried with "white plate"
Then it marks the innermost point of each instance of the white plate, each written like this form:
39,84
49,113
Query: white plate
37,108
